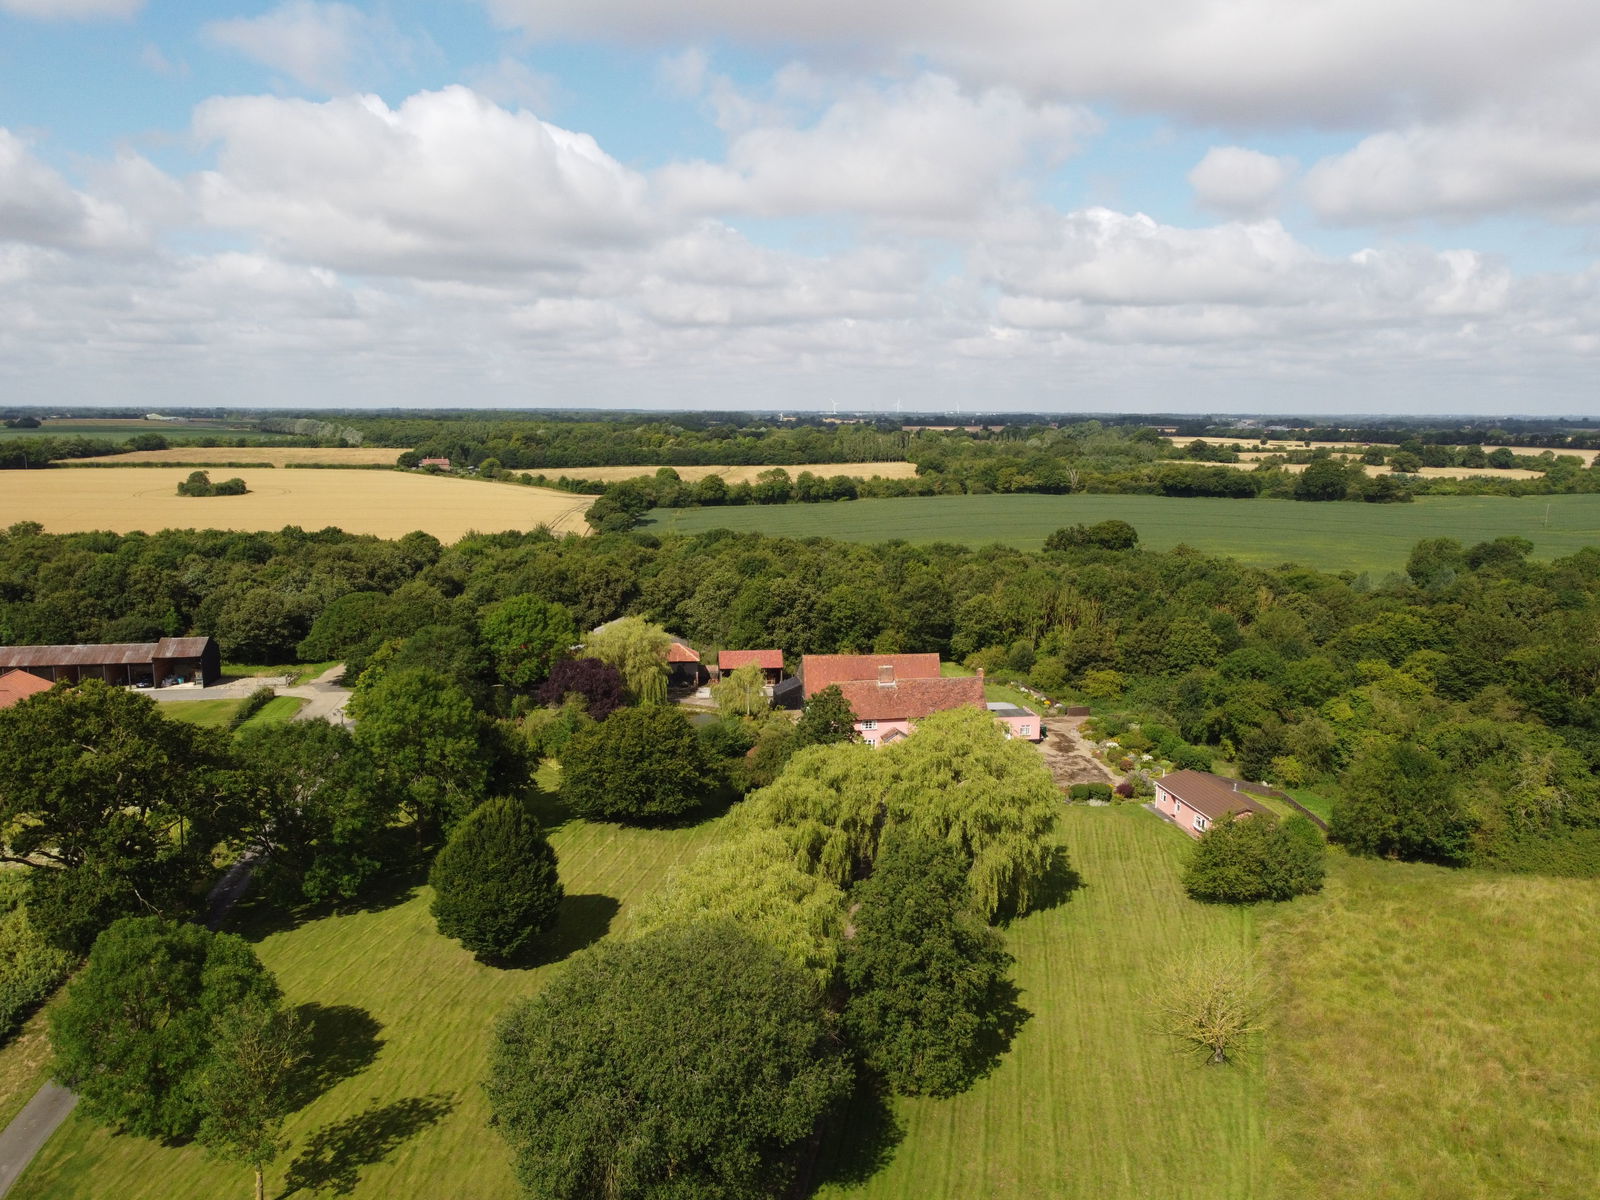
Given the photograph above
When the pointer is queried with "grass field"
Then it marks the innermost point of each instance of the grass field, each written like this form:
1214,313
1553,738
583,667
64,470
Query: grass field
1089,1103
278,456
386,503
1337,536
402,1019
211,714
120,430
859,470
1437,1037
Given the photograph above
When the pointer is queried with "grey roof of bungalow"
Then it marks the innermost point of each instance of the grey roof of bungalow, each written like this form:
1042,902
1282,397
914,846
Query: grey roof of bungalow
1001,708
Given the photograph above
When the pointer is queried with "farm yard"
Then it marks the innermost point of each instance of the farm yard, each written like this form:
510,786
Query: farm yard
385,503
278,456
1375,538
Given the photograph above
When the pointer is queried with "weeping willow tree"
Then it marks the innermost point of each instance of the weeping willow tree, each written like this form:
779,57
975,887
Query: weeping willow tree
752,880
638,650
957,779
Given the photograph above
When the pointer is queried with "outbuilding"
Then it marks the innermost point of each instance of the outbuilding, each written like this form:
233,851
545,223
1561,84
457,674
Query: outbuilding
168,662
1196,800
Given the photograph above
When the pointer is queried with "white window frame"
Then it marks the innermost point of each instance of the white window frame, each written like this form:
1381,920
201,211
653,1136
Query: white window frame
1025,731
869,725
1202,822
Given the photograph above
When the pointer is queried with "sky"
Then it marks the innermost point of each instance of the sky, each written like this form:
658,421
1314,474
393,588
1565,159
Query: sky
1386,207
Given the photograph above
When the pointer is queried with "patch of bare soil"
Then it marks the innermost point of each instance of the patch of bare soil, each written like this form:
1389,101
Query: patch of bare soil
1070,758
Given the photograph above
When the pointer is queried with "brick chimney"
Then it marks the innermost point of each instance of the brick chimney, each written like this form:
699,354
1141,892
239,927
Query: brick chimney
886,675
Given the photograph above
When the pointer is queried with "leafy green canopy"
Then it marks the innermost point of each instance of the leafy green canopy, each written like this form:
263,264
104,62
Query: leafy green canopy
495,883
956,779
526,636
926,975
114,808
683,1064
638,649
640,764
247,1085
1239,861
752,880
319,807
1400,800
134,1032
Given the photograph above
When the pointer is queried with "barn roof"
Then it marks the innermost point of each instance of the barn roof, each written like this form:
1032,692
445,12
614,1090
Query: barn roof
824,670
17,686
1210,794
767,660
911,699
111,654
679,653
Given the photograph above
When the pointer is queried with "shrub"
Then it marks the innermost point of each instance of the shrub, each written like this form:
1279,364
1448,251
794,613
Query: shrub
641,764
1240,860
253,703
685,1063
495,883
30,969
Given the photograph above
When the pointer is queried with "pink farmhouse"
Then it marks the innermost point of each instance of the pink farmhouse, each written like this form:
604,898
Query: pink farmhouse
1195,800
891,692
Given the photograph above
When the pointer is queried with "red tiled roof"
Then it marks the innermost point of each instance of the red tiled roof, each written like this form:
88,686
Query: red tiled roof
824,670
911,699
17,686
679,653
767,660
1209,794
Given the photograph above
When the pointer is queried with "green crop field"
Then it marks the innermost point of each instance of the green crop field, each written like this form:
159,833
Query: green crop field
1338,536
1089,1102
121,431
1436,1037
401,1020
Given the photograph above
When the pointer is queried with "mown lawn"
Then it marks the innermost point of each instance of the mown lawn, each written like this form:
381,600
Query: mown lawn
1437,1037
280,710
213,714
1089,1102
1375,538
402,1019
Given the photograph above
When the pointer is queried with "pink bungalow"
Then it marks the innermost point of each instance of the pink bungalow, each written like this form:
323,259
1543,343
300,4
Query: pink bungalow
1194,800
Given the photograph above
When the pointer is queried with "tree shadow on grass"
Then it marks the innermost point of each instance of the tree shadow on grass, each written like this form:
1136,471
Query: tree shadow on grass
857,1143
1059,883
334,1155
1001,1020
270,911
581,921
341,1041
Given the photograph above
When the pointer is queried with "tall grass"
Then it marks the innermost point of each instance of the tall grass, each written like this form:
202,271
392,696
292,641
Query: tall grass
1438,1038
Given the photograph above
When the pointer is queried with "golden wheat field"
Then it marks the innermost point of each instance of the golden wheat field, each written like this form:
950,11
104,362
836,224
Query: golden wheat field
866,470
386,503
278,456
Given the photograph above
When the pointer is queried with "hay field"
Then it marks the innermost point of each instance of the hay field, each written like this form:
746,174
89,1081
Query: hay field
1250,450
278,456
386,503
866,470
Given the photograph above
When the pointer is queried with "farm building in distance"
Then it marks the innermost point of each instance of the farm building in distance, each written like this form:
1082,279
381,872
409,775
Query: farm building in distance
770,662
17,686
684,668
1194,800
171,661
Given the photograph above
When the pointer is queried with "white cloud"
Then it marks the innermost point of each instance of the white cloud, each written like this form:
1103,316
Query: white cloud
1250,62
313,43
446,184
921,150
72,10
1238,182
1545,159
513,84
39,207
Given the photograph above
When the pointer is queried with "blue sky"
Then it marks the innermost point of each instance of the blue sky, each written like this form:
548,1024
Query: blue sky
1161,205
